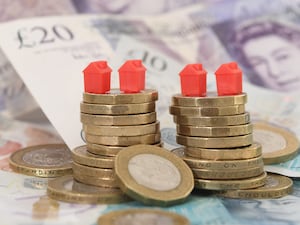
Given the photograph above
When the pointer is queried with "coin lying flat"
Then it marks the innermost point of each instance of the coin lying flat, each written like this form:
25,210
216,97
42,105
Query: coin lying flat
153,175
211,100
218,165
212,111
81,155
50,160
67,189
276,186
109,182
116,97
212,142
123,109
123,141
120,120
224,131
279,145
248,183
142,216
247,152
213,120
93,171
122,130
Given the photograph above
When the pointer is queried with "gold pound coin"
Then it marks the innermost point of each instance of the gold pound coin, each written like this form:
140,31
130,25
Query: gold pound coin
279,145
211,121
122,120
211,111
81,155
228,174
116,97
122,130
123,141
211,142
153,175
93,171
248,152
276,186
68,190
145,216
248,183
96,180
224,131
218,165
124,109
211,100
52,160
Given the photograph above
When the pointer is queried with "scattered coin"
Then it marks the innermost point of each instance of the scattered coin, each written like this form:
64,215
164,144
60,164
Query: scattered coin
211,100
115,97
278,144
144,216
139,169
276,186
67,189
51,160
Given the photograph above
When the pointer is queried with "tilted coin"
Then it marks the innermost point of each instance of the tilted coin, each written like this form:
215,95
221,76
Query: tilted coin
51,160
279,145
248,183
211,111
80,155
233,174
119,120
110,182
213,120
93,171
224,131
122,130
220,165
211,100
247,152
144,216
67,189
108,150
153,175
116,97
276,186
212,142
123,141
123,109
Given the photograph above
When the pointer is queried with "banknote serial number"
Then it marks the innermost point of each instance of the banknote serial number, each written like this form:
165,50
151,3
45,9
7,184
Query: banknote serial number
38,35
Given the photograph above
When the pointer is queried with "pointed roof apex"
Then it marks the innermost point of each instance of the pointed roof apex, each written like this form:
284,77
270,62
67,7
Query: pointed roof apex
191,69
132,66
228,69
97,67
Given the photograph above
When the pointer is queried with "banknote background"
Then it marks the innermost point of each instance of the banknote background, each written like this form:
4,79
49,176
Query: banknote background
180,32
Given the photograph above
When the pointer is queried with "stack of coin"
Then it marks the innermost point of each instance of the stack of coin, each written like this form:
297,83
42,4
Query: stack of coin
217,135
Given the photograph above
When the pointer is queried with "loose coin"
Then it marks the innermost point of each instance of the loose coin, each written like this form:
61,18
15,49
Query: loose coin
122,130
96,180
142,216
153,175
278,144
50,160
80,155
248,183
248,152
123,141
213,120
106,120
211,142
211,100
67,189
211,111
123,109
276,186
224,131
233,174
218,165
116,97
93,171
